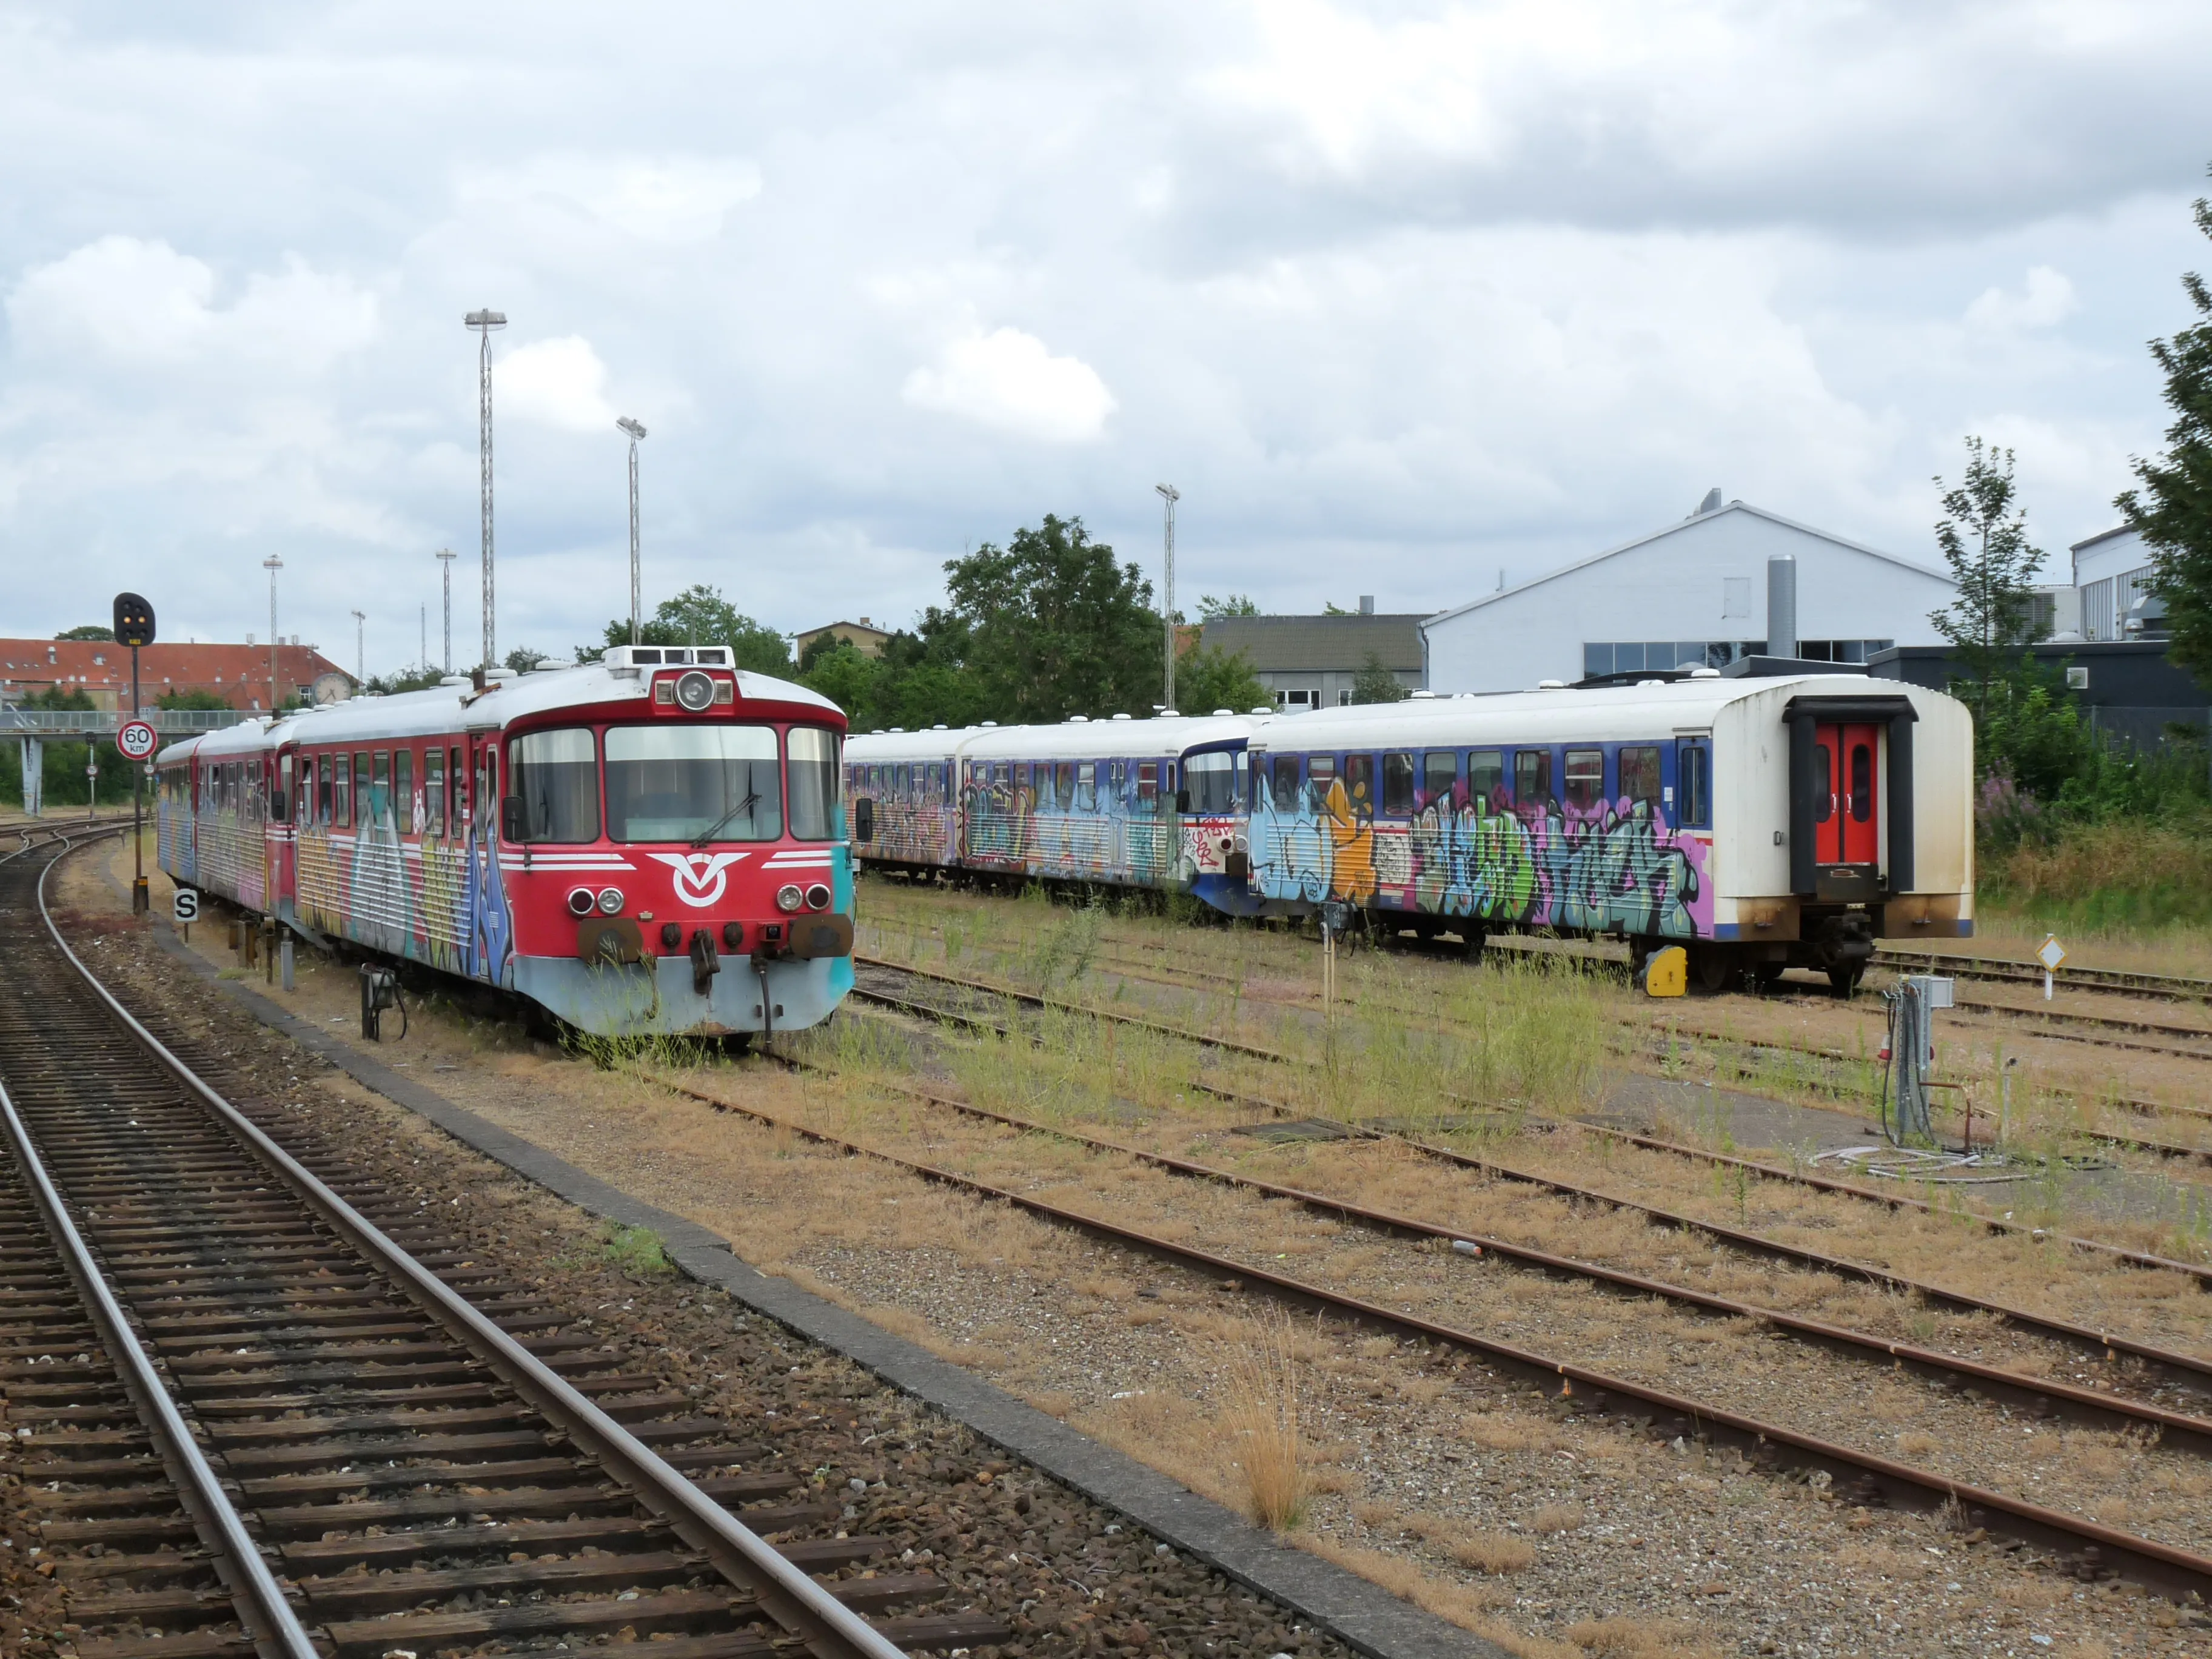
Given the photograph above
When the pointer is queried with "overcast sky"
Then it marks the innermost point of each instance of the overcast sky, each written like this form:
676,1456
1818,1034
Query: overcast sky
1398,296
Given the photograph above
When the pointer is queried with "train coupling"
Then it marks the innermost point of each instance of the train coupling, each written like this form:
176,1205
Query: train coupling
1844,940
705,964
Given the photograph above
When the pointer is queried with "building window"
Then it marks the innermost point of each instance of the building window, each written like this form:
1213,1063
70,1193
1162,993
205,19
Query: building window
1288,699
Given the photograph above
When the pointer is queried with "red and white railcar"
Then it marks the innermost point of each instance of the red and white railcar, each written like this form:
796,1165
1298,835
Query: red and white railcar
655,842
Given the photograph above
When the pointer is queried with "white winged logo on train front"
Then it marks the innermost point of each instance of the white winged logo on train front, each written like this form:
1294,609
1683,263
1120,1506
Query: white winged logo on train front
700,876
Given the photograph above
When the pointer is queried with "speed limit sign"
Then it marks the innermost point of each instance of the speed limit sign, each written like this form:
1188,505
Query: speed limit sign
137,740
185,906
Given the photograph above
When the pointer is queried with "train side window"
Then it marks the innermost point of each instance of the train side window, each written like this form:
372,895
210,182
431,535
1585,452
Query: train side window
1210,777
1585,777
364,802
1240,791
1321,773
341,770
287,803
488,790
457,792
1485,775
433,790
1693,785
1086,786
322,789
811,759
1532,777
1360,781
1286,783
1862,782
1148,786
557,777
1823,788
1439,772
1639,774
403,790
1397,784
1064,791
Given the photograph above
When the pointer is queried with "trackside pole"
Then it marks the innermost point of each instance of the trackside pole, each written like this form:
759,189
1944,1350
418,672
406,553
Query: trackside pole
140,904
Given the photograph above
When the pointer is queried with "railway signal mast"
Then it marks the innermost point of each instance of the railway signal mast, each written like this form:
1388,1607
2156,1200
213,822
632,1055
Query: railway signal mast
636,430
484,322
1170,495
134,627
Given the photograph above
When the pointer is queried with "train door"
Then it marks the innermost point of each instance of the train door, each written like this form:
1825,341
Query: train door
1846,826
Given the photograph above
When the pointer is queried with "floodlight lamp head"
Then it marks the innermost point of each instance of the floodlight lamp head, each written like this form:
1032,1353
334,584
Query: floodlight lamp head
447,553
1169,491
272,562
486,320
635,429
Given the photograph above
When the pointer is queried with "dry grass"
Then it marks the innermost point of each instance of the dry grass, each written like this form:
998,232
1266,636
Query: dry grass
1494,1552
1261,1375
1557,1518
1640,1638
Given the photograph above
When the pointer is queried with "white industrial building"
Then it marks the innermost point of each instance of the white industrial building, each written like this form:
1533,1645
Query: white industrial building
1694,593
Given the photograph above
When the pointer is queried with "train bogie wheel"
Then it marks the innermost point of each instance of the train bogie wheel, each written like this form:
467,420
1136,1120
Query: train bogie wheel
1768,974
1472,939
1844,981
1714,966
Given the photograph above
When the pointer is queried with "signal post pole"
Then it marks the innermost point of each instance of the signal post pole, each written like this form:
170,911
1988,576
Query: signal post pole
134,627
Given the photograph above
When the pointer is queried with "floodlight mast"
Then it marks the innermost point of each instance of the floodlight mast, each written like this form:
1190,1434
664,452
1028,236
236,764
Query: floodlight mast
636,430
272,564
446,557
360,632
1170,495
484,322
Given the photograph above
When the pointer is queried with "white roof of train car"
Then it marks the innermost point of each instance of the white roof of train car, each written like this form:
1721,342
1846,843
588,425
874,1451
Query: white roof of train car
1601,714
1163,735
446,708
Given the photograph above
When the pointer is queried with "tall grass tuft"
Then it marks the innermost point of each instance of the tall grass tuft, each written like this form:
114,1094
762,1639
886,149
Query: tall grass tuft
1261,1382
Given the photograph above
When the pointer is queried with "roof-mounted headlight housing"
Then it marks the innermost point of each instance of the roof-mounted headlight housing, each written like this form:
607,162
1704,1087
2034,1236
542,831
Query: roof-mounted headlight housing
694,692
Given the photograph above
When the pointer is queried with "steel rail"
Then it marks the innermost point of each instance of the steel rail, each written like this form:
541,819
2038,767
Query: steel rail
830,1629
2173,1571
1893,1201
2185,1369
2173,986
2108,1411
268,1621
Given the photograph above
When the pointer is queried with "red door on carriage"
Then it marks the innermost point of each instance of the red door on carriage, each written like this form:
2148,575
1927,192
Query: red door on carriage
1846,792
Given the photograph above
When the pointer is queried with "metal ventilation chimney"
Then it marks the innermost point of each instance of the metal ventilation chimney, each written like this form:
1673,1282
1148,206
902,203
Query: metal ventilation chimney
1781,606
1366,605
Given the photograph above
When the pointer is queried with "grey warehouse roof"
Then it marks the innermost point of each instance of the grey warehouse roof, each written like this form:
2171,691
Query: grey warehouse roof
1290,645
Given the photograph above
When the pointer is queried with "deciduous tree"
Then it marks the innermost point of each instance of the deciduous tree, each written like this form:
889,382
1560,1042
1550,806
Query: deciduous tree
1984,536
2173,508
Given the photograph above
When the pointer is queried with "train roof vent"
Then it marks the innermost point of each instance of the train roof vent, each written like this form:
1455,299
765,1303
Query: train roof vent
1640,685
940,726
1224,711
454,679
898,729
1260,708
987,725
1551,685
1079,719
1705,673
551,665
1121,717
1421,696
499,675
714,656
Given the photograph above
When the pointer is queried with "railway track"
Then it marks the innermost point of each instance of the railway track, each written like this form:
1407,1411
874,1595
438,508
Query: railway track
1891,1199
272,1409
2080,1546
2173,987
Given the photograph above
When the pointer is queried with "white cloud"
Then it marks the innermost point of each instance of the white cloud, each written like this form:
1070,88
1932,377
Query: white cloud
674,199
143,303
1008,381
558,383
2046,298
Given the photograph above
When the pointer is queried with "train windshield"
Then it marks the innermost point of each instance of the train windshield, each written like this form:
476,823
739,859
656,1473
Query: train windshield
814,782
693,783
1212,780
557,776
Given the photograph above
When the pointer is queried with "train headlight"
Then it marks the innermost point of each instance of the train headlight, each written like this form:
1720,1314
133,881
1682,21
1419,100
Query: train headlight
788,898
817,897
611,900
581,902
695,692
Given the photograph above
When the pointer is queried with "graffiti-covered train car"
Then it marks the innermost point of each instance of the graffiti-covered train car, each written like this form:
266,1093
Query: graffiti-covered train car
1760,822
655,842
1156,804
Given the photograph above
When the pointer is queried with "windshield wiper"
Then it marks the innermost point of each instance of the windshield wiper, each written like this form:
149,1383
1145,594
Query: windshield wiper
745,806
